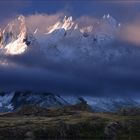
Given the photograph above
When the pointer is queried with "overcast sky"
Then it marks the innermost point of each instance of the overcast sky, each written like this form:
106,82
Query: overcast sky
122,10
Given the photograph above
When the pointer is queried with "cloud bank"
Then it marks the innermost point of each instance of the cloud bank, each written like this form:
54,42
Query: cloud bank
131,32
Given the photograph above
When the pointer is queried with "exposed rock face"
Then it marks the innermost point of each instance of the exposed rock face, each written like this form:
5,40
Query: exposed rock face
29,134
81,105
112,130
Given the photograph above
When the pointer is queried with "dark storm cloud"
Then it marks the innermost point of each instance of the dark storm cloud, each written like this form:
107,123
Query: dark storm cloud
120,78
118,82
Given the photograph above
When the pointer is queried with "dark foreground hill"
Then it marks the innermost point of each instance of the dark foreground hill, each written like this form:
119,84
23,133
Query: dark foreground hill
71,122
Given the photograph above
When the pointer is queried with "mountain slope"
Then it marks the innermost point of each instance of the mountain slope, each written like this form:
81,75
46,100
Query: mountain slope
103,104
32,124
13,100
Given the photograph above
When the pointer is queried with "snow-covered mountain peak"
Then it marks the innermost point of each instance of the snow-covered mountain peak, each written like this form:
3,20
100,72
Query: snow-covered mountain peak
110,20
17,45
67,37
67,24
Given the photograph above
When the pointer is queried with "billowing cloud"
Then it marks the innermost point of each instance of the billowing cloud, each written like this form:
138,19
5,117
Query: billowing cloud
131,32
42,21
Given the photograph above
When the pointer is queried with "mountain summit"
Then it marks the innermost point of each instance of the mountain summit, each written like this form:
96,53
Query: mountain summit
66,40
16,36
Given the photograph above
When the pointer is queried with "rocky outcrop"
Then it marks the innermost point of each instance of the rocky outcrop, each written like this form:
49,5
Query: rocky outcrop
81,105
112,130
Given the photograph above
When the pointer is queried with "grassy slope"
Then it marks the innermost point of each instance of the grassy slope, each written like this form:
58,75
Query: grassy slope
79,124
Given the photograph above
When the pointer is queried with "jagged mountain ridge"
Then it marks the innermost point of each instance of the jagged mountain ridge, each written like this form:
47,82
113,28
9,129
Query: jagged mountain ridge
14,100
65,39
10,101
66,27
